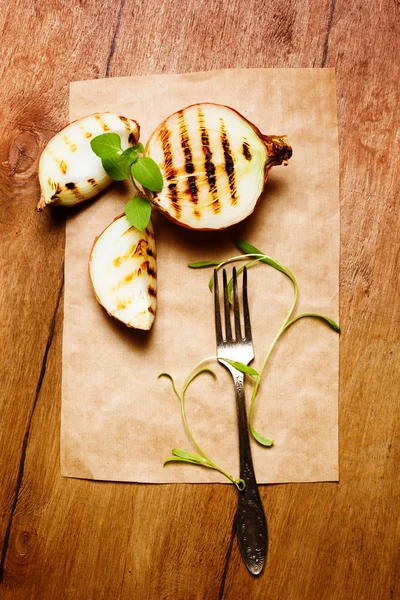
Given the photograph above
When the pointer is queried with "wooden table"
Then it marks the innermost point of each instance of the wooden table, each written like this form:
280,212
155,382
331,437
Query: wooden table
76,539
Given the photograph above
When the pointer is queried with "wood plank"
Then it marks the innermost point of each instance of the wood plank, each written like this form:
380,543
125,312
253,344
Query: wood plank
80,539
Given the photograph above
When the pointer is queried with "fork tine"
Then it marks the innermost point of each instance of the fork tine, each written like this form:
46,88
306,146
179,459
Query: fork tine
247,326
236,310
218,329
226,308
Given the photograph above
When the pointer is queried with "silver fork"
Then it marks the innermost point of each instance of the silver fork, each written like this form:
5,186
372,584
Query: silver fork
252,530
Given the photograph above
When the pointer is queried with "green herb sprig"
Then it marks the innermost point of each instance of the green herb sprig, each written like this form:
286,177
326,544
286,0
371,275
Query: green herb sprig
130,164
258,256
200,459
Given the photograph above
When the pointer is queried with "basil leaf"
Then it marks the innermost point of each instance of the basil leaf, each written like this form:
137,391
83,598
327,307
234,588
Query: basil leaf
138,212
130,155
107,145
138,148
117,168
147,173
203,263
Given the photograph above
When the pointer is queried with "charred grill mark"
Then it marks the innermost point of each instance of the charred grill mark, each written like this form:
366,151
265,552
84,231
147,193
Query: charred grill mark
68,143
151,310
146,266
246,150
125,122
216,206
169,169
72,187
104,125
208,163
58,190
152,292
132,250
173,196
92,182
187,151
192,188
229,164
128,230
150,271
132,138
138,249
123,304
150,252
129,277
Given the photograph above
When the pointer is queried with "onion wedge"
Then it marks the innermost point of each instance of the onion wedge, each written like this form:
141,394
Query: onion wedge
69,170
122,269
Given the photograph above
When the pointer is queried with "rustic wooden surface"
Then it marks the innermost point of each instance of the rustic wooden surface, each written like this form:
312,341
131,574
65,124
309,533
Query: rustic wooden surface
71,539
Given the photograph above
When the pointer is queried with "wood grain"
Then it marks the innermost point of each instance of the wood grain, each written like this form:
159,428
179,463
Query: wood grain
64,538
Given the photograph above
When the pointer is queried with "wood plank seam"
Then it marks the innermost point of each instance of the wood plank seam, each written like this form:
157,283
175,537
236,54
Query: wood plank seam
227,560
114,40
28,428
328,31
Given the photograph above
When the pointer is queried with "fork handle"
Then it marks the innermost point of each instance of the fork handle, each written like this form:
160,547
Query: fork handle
251,523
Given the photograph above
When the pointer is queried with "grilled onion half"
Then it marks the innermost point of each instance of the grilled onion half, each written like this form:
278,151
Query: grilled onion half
214,163
122,268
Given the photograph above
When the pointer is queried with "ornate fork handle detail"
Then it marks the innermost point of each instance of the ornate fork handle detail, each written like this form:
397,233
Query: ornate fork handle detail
235,343
252,529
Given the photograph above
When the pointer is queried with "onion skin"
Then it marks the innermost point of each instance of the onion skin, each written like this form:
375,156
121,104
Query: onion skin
215,164
123,272
69,171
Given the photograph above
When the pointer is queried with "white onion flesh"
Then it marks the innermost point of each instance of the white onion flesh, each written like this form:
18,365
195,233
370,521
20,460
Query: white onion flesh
69,170
122,268
214,164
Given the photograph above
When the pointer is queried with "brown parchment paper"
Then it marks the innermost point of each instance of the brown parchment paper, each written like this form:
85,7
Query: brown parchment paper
119,421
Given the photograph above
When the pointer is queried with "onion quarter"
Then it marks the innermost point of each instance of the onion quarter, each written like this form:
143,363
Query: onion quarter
69,170
122,268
